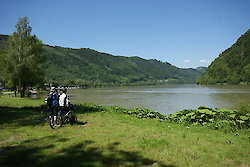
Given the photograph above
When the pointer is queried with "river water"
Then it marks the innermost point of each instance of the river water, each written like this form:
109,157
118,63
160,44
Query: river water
165,99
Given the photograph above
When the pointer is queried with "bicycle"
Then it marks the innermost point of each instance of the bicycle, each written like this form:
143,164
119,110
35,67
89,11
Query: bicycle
56,121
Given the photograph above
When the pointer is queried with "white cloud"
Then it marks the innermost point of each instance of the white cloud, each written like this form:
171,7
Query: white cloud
204,61
187,61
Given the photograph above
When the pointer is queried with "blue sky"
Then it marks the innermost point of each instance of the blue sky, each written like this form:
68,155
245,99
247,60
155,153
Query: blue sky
185,33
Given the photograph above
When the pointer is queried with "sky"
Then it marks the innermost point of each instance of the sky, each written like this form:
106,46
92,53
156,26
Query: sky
184,33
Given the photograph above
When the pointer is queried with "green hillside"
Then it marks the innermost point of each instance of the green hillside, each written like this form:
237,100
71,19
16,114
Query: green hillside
232,66
87,67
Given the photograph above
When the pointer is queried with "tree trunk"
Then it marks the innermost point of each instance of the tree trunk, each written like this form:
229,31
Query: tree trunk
22,92
19,88
15,92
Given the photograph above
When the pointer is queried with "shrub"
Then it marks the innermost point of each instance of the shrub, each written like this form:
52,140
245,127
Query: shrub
216,118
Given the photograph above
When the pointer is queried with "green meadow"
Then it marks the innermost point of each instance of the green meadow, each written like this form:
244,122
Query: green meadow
110,137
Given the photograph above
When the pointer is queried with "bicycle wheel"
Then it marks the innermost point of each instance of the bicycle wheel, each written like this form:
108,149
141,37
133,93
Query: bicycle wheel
59,120
51,121
55,121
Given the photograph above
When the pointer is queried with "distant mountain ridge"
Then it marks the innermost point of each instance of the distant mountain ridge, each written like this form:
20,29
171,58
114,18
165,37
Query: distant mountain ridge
87,67
232,66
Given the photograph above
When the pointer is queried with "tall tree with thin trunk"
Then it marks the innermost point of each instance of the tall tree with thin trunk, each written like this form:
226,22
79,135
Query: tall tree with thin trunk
23,58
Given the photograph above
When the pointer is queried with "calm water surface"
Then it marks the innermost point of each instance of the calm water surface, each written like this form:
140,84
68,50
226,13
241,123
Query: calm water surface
165,99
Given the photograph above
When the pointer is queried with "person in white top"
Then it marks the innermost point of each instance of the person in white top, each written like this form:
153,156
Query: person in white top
64,100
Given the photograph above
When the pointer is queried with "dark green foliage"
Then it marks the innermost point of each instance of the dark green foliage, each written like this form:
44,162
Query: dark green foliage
144,113
3,39
232,66
86,67
216,118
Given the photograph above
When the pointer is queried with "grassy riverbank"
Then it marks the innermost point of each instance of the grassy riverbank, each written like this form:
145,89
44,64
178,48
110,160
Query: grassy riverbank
111,138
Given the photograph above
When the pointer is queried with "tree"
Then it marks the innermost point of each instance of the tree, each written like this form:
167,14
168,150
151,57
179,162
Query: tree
23,58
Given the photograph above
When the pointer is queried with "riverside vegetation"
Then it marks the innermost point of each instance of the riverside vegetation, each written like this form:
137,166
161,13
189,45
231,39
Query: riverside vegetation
112,138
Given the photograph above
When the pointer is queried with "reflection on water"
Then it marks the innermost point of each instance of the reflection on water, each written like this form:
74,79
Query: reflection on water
165,99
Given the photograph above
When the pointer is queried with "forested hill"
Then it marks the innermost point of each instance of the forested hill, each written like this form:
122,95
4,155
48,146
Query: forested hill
87,67
232,66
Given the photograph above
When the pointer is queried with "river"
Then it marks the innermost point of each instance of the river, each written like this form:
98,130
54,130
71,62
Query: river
165,99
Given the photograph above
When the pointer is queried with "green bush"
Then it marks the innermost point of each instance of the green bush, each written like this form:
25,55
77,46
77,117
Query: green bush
217,118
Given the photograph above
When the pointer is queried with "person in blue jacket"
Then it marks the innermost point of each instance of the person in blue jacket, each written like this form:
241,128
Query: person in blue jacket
54,101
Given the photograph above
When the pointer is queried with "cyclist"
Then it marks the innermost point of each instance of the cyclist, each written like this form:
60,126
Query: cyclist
64,101
65,106
48,99
52,101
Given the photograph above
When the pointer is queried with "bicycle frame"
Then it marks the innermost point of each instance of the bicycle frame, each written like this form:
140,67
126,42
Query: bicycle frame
65,117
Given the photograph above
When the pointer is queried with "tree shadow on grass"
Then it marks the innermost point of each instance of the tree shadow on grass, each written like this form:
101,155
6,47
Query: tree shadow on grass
18,116
22,116
78,154
25,116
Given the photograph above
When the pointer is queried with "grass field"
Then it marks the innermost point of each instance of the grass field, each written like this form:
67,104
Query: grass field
112,138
